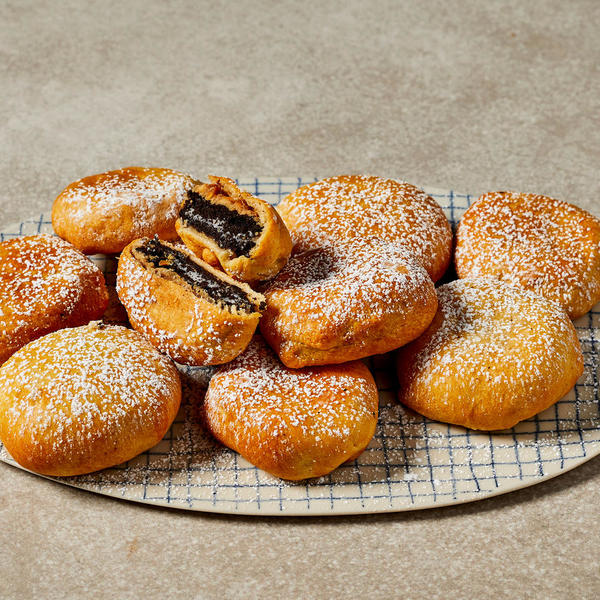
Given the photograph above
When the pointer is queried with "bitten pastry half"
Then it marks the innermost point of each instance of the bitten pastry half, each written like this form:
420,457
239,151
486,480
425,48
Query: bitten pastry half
45,285
344,302
495,354
189,310
231,228
84,399
105,212
359,206
536,242
293,424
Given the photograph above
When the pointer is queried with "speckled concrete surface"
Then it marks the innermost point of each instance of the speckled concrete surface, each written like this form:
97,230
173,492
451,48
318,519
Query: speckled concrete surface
469,95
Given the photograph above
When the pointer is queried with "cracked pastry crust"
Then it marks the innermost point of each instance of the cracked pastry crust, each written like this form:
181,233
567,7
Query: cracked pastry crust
233,229
105,212
189,310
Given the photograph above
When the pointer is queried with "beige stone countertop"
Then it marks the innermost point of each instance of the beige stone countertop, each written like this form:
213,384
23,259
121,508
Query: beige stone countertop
473,96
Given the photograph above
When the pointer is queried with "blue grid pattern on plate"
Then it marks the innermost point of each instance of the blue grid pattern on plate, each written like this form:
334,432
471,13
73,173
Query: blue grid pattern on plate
412,462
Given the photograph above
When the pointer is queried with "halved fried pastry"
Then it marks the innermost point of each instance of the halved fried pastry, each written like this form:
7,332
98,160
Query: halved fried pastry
189,310
229,227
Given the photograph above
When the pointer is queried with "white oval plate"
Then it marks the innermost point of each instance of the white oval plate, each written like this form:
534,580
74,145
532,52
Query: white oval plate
411,463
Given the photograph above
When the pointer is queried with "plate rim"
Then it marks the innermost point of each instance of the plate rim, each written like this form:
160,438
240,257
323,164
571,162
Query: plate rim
592,449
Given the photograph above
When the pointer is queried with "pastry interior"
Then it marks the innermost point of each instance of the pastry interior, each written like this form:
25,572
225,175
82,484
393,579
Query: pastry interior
230,223
204,281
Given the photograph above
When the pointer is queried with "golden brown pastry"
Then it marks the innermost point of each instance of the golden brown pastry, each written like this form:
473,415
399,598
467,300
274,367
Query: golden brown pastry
536,242
358,298
494,355
189,310
105,212
229,227
45,285
292,423
83,399
351,206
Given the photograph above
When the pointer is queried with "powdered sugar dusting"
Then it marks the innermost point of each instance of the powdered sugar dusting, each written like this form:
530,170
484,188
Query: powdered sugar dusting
76,386
258,400
45,284
143,189
352,280
140,200
493,353
191,329
485,318
537,242
412,462
359,206
353,287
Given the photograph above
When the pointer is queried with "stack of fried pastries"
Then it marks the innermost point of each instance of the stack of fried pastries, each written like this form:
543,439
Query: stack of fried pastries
343,269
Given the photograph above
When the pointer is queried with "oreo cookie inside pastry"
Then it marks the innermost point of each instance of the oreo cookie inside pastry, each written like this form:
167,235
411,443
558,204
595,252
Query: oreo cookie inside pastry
233,229
189,310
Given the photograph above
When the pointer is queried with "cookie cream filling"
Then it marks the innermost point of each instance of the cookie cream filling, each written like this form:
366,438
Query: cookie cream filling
157,255
230,229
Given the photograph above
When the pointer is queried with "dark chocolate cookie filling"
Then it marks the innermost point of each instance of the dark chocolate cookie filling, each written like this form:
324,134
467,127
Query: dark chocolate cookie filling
161,256
228,228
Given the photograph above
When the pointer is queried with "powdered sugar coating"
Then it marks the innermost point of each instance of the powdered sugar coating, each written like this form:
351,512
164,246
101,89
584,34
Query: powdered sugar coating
291,421
143,190
184,473
353,280
45,284
90,396
361,296
350,206
542,244
494,354
178,322
104,212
